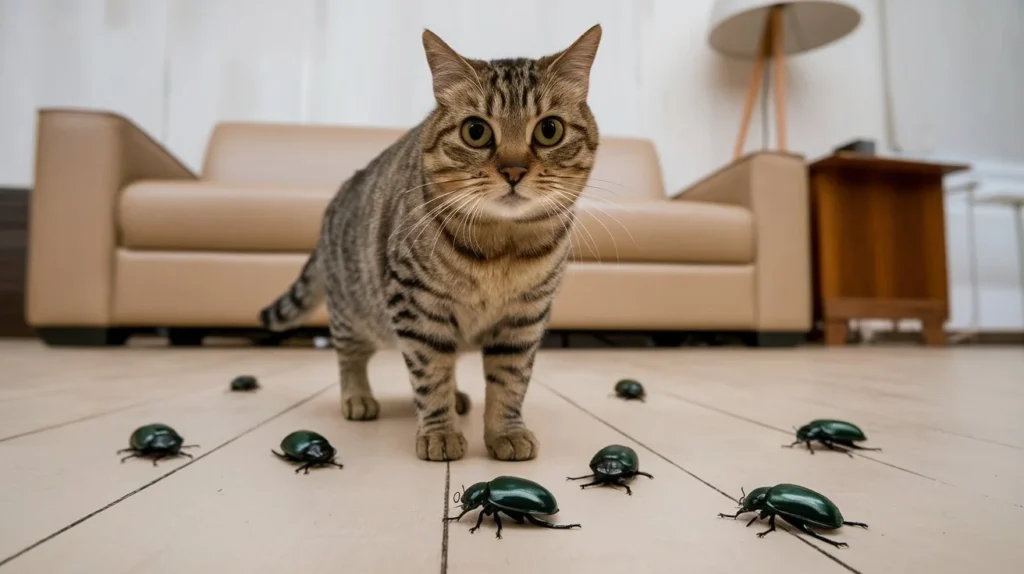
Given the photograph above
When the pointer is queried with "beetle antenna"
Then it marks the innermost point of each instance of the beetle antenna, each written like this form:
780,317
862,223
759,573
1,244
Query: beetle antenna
456,497
742,498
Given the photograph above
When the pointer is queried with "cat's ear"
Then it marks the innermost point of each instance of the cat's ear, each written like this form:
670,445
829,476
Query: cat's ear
450,70
573,64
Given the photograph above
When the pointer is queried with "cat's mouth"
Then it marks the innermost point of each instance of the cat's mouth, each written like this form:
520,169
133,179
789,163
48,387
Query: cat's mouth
513,197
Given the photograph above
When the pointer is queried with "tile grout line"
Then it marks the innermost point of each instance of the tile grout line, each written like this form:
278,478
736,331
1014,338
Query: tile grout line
770,427
102,414
444,518
162,477
580,407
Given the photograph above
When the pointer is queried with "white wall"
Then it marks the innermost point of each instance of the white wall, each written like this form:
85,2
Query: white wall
956,85
178,66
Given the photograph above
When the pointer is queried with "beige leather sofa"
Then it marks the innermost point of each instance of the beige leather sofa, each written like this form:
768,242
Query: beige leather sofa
126,238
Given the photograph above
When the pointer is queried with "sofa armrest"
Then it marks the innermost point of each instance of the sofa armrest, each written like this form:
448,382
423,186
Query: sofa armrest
775,187
83,159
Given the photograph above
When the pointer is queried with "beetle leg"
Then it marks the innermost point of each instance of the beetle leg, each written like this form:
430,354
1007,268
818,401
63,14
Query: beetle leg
771,527
459,517
623,485
648,475
791,445
337,464
126,450
752,520
545,524
807,530
853,446
159,458
189,446
186,454
279,455
304,468
836,448
479,520
733,516
579,477
848,523
595,483
497,520
127,457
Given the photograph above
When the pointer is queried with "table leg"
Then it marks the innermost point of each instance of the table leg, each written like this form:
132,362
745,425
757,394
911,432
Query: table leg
1018,224
934,333
835,332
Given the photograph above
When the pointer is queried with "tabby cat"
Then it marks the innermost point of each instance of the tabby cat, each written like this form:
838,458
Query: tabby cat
456,237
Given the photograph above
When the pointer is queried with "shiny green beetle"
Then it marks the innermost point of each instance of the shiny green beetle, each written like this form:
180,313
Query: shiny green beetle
157,441
244,383
799,506
613,465
835,435
309,448
521,499
629,389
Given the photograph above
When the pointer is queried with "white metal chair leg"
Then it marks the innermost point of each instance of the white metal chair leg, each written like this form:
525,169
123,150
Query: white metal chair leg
972,255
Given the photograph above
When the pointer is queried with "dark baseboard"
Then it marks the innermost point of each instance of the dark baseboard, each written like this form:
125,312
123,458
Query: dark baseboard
14,205
83,336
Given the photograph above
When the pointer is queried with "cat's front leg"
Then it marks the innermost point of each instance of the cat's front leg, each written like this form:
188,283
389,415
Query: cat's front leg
508,366
430,360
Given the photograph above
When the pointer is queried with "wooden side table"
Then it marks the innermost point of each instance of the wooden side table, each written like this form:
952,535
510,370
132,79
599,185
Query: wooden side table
879,242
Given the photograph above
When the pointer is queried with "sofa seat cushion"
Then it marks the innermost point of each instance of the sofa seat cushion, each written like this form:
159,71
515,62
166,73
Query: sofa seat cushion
207,216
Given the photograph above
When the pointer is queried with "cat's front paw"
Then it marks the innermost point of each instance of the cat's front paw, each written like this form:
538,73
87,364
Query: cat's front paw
462,403
441,445
515,444
360,408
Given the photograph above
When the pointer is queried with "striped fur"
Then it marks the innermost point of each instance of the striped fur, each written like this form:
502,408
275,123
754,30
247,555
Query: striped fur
432,249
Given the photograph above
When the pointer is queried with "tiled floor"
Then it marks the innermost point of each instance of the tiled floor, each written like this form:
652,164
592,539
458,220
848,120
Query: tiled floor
945,494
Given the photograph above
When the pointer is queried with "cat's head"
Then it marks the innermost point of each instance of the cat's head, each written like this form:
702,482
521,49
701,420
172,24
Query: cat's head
510,139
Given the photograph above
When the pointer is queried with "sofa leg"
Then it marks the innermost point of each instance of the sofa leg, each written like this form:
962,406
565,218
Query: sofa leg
185,337
773,338
83,336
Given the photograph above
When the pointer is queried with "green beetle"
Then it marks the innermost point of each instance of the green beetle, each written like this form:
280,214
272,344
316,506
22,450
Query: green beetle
797,505
835,435
629,389
613,465
309,448
521,499
244,383
157,441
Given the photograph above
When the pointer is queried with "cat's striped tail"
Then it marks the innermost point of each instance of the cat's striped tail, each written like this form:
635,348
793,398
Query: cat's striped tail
294,305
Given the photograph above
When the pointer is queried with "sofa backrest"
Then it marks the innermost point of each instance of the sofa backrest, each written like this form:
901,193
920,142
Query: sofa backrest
299,154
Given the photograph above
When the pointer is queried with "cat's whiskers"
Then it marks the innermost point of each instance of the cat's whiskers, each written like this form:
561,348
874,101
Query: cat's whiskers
465,192
426,217
563,210
625,187
609,215
591,243
565,218
399,228
444,223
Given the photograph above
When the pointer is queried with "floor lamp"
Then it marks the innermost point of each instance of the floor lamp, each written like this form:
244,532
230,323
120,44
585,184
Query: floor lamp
764,30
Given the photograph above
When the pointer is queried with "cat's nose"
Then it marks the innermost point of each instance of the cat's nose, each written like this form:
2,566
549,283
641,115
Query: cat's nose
513,173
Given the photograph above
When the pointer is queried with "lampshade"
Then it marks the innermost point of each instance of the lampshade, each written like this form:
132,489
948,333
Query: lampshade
737,26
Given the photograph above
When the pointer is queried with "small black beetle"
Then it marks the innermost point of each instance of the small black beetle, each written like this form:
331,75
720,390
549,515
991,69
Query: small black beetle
613,465
797,505
157,441
629,389
244,383
309,448
835,435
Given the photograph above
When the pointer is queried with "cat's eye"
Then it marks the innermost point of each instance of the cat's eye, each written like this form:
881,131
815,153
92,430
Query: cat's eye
549,131
476,132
